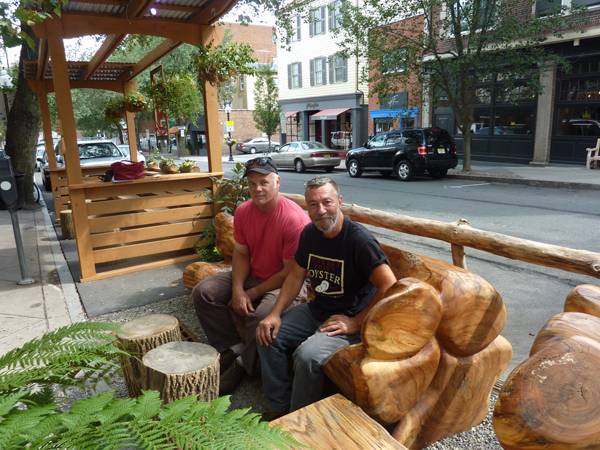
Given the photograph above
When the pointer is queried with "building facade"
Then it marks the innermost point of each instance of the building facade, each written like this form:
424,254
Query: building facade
322,96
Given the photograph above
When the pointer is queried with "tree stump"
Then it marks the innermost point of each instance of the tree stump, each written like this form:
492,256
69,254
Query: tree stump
66,224
139,337
181,369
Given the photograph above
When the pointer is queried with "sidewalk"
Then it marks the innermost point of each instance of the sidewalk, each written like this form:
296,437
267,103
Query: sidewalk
52,301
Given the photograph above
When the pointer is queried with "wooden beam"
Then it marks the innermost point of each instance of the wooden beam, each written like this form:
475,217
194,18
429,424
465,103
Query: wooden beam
105,50
77,24
166,47
210,14
137,8
43,59
116,86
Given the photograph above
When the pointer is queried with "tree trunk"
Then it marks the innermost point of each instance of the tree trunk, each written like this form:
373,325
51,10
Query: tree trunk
24,120
467,148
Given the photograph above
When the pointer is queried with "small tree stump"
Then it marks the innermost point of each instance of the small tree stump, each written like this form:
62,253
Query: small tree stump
181,369
66,224
139,337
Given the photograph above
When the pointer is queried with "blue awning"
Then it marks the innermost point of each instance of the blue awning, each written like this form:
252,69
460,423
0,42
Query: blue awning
381,113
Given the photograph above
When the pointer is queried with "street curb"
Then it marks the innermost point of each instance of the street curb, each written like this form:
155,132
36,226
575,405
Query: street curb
526,182
76,312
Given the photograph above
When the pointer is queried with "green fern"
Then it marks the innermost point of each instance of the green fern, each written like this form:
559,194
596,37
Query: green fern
30,418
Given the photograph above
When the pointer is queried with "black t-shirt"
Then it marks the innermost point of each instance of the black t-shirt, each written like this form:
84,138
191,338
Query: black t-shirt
340,268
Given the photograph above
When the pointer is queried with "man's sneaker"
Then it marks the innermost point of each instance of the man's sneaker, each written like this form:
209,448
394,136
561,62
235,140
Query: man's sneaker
227,358
269,416
231,378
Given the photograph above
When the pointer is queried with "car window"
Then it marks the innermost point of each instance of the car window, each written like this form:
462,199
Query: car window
313,146
377,141
284,148
412,137
293,146
439,136
393,138
98,150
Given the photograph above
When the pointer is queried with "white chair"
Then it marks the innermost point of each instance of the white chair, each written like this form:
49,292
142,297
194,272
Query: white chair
593,151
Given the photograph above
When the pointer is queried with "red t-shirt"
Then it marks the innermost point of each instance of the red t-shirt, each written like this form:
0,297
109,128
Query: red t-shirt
271,237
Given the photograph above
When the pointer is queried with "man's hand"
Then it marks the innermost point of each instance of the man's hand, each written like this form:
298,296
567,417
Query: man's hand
340,324
241,303
263,333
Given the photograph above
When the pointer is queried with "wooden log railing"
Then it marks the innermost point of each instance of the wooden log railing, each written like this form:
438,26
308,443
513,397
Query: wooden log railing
460,234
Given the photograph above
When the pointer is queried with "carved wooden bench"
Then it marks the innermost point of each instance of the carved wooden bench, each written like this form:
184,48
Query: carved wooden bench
593,154
552,399
431,349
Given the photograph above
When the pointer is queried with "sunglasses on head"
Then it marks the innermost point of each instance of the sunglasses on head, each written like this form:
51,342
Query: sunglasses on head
257,162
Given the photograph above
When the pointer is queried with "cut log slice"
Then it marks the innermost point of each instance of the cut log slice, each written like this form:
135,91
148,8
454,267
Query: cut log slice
566,325
457,399
584,298
403,322
384,389
552,399
224,235
199,271
181,369
139,337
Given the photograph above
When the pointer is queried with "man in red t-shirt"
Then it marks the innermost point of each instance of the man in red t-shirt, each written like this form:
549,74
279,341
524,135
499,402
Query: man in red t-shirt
266,233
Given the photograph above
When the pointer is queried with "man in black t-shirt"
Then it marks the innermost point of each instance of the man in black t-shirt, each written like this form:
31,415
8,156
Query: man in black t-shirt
349,273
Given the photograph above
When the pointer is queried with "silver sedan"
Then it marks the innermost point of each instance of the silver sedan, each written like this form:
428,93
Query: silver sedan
304,155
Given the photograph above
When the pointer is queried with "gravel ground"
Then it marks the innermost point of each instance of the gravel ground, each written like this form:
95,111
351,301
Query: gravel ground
249,394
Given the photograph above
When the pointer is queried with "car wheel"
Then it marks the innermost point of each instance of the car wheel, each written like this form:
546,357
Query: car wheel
386,173
354,169
299,166
438,174
405,171
253,150
329,169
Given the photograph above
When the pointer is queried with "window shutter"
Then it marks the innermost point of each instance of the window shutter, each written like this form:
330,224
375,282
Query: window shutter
300,74
298,23
311,23
331,77
312,72
330,16
345,69
324,28
324,67
289,76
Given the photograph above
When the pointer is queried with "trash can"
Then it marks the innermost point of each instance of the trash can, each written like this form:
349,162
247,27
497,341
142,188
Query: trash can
20,182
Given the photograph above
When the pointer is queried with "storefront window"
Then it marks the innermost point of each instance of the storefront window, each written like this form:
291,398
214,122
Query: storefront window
382,125
578,121
513,120
482,122
580,90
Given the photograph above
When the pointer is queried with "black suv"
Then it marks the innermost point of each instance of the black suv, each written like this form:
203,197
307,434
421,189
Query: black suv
406,152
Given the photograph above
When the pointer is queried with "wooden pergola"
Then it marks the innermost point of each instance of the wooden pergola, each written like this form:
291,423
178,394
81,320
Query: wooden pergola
151,220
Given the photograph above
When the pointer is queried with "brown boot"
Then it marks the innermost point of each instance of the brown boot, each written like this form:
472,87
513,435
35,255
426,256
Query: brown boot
231,378
228,357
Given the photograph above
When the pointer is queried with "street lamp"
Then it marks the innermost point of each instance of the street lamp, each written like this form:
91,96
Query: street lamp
5,82
228,111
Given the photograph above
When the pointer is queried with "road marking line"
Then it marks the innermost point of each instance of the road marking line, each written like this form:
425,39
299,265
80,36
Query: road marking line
467,185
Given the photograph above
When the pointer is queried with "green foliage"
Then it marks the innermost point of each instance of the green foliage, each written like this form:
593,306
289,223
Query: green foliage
12,13
267,110
153,157
165,161
450,46
29,418
217,64
228,195
188,163
177,93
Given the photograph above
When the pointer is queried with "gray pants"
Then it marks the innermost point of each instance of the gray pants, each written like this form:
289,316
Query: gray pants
211,297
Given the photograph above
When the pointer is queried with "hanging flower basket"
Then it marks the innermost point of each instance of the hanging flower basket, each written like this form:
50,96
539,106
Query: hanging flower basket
116,113
132,108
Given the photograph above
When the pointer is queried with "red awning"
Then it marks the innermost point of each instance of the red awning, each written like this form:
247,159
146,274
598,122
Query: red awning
290,113
329,114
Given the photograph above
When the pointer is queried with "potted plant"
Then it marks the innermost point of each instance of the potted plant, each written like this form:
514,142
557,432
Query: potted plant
167,165
189,166
135,102
217,64
114,109
230,141
177,94
152,161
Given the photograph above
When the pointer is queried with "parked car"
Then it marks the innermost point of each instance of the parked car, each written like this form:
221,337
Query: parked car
304,155
256,145
98,152
39,156
125,150
405,152
341,139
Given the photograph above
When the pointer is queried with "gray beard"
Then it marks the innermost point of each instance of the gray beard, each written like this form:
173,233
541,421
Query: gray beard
332,225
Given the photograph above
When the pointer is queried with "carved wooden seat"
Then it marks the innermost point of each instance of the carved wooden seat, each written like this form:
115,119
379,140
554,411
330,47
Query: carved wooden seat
552,399
431,349
593,154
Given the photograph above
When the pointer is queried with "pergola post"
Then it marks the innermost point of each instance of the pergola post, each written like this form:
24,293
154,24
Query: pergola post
130,119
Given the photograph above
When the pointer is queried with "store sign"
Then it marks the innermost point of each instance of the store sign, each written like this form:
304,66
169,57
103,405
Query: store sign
312,105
